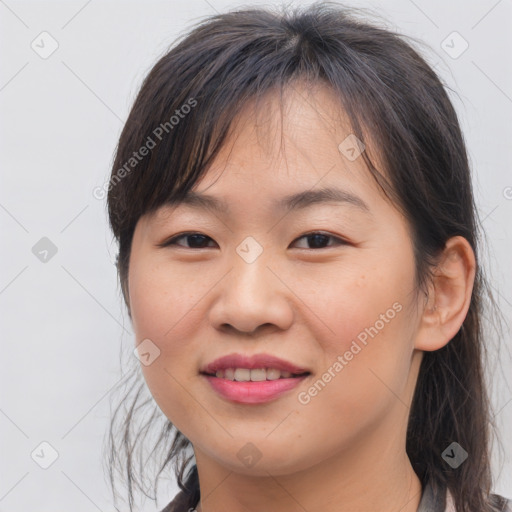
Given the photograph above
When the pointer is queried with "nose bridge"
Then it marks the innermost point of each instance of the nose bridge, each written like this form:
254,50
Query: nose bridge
251,295
249,282
250,250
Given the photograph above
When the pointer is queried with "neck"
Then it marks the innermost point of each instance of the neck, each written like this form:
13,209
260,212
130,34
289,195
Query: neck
369,476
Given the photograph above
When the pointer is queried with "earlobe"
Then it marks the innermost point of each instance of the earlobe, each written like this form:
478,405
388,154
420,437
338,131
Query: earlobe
449,296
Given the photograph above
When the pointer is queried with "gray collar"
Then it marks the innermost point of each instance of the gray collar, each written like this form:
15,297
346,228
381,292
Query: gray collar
432,500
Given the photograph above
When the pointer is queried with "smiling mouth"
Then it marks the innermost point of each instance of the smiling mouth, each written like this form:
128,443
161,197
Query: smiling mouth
254,374
253,386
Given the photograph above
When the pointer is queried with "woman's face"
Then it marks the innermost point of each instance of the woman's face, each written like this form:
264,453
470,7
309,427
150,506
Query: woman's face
341,306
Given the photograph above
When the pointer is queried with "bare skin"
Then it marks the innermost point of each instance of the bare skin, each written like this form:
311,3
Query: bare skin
344,449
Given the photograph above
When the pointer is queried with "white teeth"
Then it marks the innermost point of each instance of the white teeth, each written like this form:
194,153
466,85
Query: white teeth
254,375
273,374
258,375
242,374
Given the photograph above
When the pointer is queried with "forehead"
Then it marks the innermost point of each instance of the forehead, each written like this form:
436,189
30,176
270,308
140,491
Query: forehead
285,155
304,120
299,136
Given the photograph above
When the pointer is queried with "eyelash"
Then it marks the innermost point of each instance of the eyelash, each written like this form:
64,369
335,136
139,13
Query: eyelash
172,241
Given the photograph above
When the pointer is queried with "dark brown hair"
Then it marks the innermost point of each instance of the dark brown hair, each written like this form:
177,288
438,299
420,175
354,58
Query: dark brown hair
387,91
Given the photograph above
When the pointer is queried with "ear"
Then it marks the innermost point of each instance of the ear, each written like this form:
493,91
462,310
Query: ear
449,296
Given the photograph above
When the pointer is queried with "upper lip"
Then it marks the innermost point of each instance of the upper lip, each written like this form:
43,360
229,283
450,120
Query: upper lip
251,362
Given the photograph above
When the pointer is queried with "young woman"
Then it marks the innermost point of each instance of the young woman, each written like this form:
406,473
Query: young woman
298,254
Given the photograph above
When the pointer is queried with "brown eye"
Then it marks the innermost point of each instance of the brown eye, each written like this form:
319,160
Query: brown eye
195,241
316,240
319,240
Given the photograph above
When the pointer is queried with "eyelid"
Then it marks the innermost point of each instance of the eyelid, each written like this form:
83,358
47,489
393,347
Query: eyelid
338,240
172,240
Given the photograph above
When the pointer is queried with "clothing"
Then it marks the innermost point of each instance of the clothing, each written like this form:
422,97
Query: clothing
431,501
442,501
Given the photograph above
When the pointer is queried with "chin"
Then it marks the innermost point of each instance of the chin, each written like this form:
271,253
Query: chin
263,457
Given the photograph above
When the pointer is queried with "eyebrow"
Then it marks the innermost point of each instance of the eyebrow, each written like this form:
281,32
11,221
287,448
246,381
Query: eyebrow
291,202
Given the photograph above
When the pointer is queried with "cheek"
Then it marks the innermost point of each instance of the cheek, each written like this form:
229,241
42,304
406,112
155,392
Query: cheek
368,344
360,381
163,304
167,313
363,303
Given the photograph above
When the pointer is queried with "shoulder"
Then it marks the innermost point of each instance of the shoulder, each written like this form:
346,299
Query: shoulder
498,503
431,500
440,499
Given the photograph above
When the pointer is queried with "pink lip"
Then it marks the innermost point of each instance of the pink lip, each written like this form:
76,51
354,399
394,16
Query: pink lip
252,392
251,362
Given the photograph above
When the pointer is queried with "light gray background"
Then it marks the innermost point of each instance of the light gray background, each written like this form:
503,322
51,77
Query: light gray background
63,322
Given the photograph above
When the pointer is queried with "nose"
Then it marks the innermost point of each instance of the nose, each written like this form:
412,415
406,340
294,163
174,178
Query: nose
252,296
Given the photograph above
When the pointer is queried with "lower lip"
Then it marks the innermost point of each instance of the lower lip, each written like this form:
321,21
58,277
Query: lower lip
253,392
